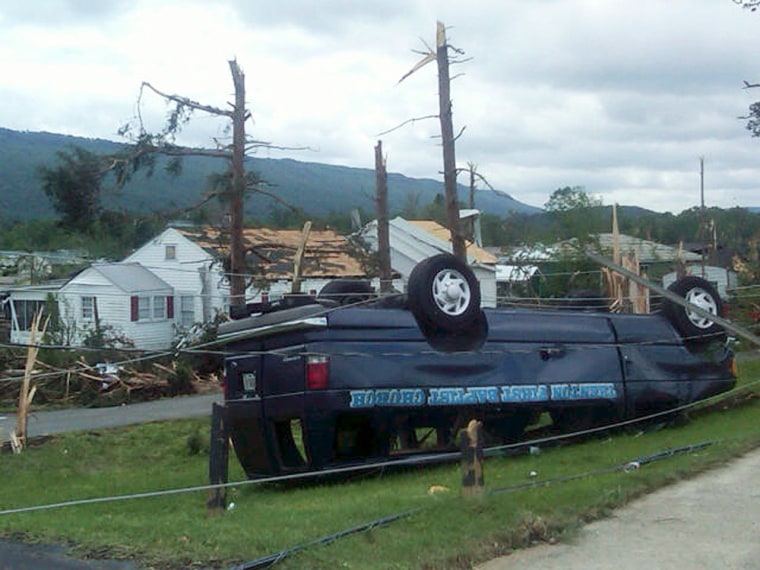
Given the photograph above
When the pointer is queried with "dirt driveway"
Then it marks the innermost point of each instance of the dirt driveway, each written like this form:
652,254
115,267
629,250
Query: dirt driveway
710,522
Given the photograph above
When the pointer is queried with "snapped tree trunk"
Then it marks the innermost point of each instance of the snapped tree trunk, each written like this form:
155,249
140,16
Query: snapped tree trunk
447,136
237,251
383,230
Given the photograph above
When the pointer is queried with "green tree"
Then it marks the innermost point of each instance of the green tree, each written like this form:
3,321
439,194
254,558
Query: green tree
570,198
74,186
411,207
576,214
436,210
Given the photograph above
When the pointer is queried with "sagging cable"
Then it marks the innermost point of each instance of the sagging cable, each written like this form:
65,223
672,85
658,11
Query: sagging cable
272,559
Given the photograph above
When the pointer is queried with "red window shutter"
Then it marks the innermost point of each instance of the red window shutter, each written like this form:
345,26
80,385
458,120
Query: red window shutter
170,307
134,306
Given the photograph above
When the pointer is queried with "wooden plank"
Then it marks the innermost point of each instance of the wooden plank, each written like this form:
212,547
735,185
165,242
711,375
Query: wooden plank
296,287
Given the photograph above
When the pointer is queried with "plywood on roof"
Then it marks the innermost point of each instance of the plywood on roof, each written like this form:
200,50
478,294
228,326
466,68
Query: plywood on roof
272,252
479,254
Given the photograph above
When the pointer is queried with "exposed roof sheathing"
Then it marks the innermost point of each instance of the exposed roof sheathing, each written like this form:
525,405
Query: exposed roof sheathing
478,254
271,253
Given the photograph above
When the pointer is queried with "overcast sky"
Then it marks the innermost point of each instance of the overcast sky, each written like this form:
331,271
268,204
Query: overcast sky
621,98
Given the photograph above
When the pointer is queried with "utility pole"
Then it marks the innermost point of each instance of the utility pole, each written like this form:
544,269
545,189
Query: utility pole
702,217
471,168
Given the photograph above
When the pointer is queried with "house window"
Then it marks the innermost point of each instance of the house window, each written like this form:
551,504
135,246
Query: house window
88,308
156,308
143,308
25,311
186,310
159,308
170,252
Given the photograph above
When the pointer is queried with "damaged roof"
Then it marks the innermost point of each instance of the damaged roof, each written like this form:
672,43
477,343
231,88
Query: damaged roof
270,254
478,254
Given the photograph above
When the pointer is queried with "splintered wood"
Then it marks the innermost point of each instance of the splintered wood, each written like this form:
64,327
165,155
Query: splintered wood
26,394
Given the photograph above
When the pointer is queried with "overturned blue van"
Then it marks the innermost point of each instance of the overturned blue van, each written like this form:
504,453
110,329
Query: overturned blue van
312,383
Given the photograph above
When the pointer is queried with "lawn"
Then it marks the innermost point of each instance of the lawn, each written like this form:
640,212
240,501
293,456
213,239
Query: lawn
543,496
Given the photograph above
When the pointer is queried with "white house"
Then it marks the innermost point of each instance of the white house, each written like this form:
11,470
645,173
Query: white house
192,261
724,280
413,241
195,274
125,297
119,299
177,279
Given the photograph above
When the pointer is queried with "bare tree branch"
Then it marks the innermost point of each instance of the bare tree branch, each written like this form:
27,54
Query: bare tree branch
180,100
185,151
748,85
261,144
413,120
476,174
275,197
431,56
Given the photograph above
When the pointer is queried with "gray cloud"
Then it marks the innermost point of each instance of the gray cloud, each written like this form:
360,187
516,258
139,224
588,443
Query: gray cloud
59,12
621,98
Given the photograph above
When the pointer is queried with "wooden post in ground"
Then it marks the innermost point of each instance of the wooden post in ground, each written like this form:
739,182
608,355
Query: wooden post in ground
472,460
218,461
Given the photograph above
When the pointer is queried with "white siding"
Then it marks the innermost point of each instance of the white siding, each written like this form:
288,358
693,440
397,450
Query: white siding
191,272
410,245
114,311
724,280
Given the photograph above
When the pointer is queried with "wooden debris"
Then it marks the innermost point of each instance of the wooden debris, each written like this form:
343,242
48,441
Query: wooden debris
26,394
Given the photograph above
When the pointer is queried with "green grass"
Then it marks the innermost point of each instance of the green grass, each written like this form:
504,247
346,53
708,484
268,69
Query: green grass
445,531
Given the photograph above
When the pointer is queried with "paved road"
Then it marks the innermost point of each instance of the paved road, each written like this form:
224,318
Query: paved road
47,557
42,557
46,423
706,523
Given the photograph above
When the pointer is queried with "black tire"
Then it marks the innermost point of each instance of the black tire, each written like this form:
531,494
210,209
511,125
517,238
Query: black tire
576,419
498,431
347,291
468,339
586,300
444,294
692,327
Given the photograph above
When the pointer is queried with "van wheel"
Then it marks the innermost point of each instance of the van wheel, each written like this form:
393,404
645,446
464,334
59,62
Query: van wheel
693,327
444,294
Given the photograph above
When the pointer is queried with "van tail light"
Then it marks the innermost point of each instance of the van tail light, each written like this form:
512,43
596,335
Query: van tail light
317,372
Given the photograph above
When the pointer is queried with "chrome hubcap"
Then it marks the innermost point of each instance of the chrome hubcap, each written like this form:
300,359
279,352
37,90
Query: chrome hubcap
451,292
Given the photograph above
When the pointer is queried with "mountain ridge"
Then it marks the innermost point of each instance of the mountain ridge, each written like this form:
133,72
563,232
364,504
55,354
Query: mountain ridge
318,189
